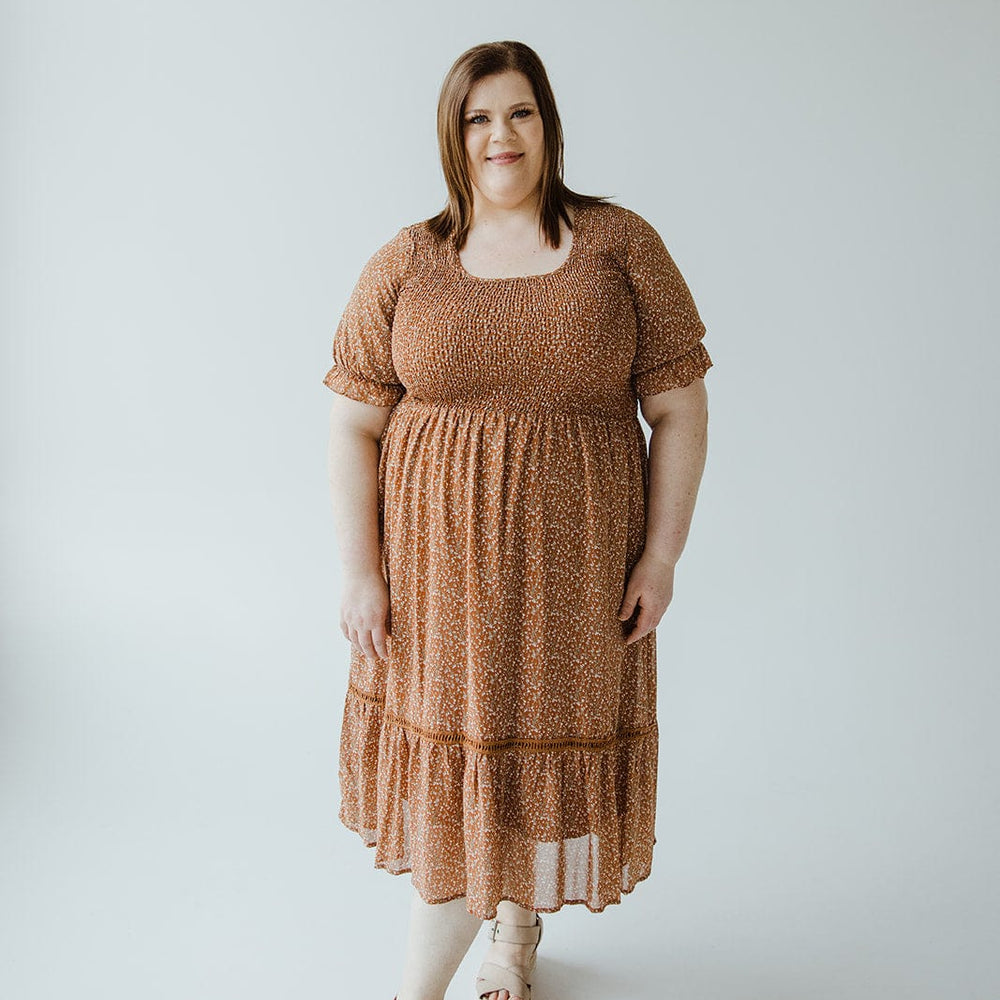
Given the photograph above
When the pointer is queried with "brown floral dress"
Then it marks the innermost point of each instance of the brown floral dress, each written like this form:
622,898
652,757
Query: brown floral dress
507,747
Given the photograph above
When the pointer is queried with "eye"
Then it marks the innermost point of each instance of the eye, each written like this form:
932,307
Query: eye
473,119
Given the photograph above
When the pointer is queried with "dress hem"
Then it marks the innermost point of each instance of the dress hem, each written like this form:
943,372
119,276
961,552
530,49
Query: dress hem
382,866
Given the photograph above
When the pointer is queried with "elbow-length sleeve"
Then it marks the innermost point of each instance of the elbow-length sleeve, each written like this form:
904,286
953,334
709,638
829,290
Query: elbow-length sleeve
669,350
362,344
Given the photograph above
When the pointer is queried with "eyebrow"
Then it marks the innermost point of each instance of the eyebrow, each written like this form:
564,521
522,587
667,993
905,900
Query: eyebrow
483,111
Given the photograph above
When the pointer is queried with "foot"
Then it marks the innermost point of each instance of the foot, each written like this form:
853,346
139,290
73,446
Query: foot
516,957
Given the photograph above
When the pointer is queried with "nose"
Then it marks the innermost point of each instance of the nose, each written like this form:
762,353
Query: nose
502,129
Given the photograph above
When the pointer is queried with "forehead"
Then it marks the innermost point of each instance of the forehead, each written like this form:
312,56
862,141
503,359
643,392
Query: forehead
501,90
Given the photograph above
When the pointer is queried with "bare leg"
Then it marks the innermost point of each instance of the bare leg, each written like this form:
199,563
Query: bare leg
440,935
506,952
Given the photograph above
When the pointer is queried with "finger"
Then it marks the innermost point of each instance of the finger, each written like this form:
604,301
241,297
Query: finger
355,636
645,622
628,604
628,631
379,636
637,633
365,637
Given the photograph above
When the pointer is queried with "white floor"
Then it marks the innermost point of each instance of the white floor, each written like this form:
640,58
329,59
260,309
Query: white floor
188,849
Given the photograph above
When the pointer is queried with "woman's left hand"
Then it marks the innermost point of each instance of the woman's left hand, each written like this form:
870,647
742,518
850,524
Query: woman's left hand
650,589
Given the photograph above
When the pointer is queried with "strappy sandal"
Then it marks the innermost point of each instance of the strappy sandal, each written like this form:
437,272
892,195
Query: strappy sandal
493,977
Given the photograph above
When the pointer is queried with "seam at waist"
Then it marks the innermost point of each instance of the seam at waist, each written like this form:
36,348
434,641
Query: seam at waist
407,403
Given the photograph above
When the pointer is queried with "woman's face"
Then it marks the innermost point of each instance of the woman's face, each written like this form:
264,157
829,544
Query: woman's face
500,117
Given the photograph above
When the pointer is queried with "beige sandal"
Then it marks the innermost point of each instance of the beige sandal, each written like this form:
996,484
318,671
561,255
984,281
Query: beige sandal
493,977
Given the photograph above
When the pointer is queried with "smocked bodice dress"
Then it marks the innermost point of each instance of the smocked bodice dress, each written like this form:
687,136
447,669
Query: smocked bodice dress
507,746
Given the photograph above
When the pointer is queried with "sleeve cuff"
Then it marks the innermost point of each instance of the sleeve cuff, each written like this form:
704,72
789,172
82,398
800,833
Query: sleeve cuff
346,383
673,374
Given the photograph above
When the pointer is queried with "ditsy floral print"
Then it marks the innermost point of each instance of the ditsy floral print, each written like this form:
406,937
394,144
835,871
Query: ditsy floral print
507,747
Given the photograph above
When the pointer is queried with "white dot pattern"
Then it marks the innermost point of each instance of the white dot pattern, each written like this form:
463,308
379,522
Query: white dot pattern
507,746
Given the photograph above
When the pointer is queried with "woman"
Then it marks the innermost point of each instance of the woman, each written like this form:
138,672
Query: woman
508,543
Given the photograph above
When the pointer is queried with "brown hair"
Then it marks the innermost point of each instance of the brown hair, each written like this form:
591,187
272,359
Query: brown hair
472,65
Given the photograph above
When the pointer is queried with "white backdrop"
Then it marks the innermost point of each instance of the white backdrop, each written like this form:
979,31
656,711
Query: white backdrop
189,193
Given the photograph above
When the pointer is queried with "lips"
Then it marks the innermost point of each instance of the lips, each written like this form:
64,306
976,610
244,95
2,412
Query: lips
505,157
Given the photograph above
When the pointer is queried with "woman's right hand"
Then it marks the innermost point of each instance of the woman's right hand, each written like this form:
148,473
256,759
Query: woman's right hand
364,613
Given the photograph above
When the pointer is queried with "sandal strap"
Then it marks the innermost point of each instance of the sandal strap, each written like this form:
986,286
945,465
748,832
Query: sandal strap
516,933
492,978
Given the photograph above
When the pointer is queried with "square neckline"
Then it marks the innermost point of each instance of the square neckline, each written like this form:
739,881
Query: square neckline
456,260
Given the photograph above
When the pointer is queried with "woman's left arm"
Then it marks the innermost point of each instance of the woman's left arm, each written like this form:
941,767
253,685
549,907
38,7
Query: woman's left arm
678,447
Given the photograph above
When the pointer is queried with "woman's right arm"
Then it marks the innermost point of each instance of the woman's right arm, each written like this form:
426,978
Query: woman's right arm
353,459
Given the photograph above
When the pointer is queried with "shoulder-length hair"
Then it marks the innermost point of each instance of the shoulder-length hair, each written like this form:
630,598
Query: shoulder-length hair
486,60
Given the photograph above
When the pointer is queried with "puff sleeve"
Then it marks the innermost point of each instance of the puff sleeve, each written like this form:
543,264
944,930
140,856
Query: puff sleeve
669,351
362,344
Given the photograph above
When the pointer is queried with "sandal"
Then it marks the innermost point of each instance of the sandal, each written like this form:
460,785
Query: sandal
493,977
